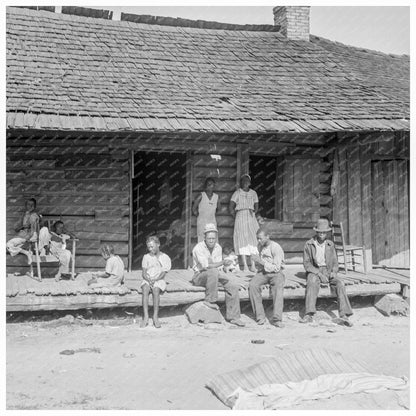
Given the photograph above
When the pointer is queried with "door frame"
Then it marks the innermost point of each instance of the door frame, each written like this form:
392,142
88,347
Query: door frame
188,198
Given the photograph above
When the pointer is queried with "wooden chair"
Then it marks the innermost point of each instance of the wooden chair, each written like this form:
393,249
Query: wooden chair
49,258
355,253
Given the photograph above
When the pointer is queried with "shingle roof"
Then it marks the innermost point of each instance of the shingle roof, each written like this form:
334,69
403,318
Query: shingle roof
72,72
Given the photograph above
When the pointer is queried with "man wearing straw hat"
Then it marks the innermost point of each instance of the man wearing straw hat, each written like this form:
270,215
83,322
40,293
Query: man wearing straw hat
208,262
321,265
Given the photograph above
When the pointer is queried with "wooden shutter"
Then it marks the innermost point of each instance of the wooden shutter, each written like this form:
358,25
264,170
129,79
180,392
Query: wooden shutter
301,190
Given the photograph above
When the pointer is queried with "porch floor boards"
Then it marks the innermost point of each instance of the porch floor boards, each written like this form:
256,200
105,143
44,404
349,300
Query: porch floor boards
24,293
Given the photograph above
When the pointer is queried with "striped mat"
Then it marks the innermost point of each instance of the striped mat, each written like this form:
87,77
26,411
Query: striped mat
294,366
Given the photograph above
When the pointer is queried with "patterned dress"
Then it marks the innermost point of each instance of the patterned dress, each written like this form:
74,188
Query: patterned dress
245,226
206,214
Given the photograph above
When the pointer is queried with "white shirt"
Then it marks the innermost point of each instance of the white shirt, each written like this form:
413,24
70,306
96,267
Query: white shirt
155,265
272,256
320,253
115,267
201,255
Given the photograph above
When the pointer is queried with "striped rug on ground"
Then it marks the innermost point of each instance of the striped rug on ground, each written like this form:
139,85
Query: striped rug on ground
294,366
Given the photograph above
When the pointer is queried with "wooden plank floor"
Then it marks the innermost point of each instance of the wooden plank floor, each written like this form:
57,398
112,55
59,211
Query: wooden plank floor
24,293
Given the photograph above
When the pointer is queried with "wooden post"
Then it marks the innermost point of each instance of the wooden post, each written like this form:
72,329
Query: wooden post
38,260
73,259
131,175
188,207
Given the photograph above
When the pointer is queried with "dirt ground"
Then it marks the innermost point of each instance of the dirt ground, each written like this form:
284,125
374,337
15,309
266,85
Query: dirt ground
117,365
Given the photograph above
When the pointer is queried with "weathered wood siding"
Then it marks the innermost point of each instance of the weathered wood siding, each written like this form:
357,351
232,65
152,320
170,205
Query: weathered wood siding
85,181
354,198
81,182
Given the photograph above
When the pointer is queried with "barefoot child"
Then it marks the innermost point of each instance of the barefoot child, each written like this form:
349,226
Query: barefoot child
228,254
114,269
155,265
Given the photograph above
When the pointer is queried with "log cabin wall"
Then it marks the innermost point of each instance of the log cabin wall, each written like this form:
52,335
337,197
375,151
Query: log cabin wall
85,182
80,181
371,193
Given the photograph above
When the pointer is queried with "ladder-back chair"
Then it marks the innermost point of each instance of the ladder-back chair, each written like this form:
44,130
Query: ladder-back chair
50,258
353,255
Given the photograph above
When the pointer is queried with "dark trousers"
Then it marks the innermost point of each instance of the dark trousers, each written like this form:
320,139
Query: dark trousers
277,284
313,284
210,279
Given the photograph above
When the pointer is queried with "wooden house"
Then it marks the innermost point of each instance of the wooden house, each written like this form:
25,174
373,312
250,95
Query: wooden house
104,117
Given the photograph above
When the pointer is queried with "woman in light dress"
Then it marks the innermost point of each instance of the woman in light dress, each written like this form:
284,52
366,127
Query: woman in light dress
205,207
243,207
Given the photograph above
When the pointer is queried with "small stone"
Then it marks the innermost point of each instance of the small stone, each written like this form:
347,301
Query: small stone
68,318
331,330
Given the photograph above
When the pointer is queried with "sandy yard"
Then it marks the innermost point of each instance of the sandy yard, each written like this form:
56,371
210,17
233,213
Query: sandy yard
125,367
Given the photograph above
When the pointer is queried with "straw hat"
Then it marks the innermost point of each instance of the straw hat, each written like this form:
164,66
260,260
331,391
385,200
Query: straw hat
210,228
322,226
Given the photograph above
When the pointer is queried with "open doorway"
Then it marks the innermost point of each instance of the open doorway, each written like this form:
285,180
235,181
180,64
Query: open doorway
159,194
264,172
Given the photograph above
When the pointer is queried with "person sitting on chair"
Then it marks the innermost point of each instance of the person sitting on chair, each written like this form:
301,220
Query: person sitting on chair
321,264
54,241
26,231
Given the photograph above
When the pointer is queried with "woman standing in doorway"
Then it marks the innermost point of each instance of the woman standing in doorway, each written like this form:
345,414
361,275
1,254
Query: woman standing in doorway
204,208
244,205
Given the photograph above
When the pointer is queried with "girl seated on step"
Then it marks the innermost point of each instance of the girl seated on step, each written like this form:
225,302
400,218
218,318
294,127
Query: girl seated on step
155,265
114,269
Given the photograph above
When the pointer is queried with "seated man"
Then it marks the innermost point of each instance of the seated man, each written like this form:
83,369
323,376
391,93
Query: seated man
270,264
207,258
54,241
321,264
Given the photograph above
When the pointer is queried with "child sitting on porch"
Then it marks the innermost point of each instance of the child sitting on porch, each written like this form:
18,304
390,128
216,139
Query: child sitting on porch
114,269
155,265
228,254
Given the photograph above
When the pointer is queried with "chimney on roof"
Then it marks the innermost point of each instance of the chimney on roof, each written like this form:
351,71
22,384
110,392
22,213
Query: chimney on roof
293,21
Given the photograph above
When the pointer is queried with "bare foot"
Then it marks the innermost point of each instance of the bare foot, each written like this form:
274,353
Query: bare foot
57,277
156,322
253,269
144,322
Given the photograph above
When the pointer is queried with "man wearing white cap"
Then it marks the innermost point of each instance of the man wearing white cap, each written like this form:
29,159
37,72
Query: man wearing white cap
207,259
321,265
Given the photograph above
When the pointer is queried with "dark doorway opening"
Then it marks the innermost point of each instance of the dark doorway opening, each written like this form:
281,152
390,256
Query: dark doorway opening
159,193
264,180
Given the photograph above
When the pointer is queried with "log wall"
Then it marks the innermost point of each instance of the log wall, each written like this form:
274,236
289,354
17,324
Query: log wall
353,202
85,182
85,185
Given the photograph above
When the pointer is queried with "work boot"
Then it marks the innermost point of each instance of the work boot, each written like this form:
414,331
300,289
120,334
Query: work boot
307,319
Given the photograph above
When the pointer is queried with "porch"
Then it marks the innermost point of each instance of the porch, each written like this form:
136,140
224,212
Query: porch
26,294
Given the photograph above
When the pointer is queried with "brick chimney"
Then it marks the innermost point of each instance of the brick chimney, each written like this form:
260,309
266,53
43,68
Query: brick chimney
293,21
